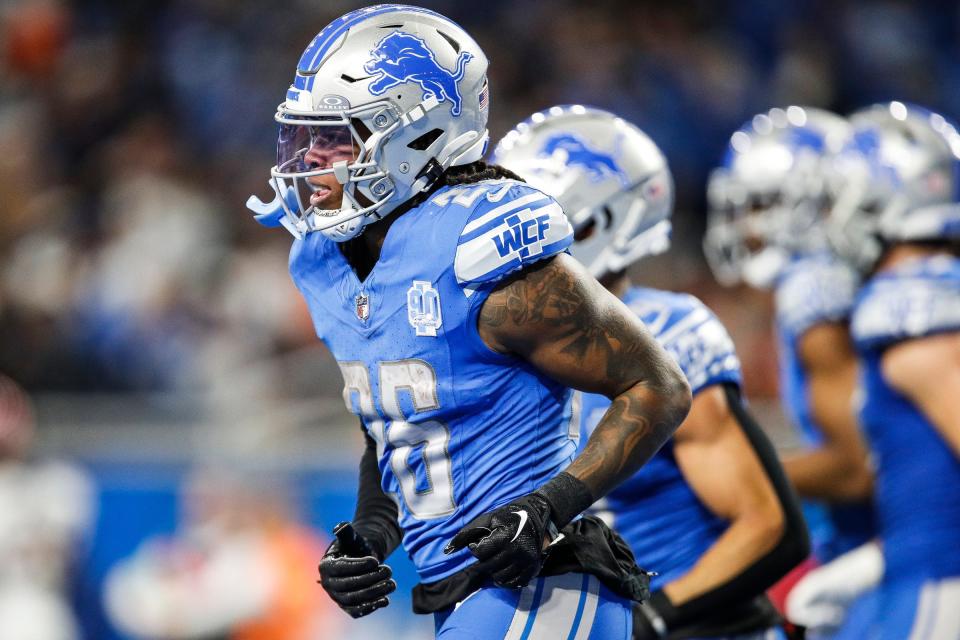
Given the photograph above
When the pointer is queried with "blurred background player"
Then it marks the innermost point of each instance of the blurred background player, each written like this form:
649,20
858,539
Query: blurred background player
765,228
46,512
129,273
458,327
897,219
712,513
240,567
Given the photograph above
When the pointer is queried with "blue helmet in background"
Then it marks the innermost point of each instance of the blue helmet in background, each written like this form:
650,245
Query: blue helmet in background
767,200
896,180
609,177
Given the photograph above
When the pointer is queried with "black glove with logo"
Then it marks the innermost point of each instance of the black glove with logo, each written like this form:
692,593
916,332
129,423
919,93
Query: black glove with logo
510,542
353,575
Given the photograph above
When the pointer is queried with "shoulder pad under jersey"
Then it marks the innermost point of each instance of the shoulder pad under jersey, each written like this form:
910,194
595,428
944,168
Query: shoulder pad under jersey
691,333
919,299
814,290
510,225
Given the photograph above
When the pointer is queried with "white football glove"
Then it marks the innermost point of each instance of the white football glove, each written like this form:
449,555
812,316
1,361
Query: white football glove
820,600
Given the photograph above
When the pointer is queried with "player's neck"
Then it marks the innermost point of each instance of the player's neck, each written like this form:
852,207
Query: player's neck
617,283
376,233
363,252
898,254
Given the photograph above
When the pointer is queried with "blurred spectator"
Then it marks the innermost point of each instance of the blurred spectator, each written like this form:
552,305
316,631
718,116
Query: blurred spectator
241,568
139,128
131,133
46,511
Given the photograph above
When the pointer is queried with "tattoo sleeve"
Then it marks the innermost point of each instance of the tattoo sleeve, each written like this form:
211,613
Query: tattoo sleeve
564,323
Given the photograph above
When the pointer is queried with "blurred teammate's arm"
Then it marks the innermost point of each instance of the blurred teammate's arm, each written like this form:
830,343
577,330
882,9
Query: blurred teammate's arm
567,325
927,371
725,472
838,469
733,469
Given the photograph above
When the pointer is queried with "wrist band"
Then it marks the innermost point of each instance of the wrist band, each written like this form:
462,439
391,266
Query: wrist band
567,496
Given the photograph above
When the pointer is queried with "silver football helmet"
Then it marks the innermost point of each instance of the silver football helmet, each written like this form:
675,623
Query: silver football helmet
768,197
896,180
609,177
384,100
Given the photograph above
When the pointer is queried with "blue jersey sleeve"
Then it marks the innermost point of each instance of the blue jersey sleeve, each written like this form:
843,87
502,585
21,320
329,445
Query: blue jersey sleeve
704,350
814,290
921,299
691,333
511,225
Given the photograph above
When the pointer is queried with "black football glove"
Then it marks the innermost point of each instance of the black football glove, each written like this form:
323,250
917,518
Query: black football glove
353,576
509,541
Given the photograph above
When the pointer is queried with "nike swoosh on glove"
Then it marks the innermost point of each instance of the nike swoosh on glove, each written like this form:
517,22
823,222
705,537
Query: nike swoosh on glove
508,542
353,576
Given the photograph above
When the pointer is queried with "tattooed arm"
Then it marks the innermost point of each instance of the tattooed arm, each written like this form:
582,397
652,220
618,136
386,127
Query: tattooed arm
563,322
567,325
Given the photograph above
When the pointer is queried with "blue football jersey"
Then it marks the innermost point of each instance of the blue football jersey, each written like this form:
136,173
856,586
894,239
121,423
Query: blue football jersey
816,289
655,510
460,429
811,291
918,475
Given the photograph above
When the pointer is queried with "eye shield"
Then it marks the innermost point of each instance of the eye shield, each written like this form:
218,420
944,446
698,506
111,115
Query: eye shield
303,148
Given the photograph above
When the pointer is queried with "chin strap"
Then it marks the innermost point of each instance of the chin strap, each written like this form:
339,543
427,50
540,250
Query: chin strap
463,149
430,173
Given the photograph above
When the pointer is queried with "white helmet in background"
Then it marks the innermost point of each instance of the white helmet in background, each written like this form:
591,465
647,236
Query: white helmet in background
767,199
896,180
609,177
384,99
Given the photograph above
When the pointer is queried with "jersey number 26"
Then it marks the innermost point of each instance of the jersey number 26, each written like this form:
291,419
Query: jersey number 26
417,378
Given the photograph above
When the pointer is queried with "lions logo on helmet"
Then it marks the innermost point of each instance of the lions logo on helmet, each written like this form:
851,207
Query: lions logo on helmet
576,153
402,57
610,178
379,141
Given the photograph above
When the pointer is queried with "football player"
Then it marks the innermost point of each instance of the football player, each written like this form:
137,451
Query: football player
765,228
897,219
712,513
459,326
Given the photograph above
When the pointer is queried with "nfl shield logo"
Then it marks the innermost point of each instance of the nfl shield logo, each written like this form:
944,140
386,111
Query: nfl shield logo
363,306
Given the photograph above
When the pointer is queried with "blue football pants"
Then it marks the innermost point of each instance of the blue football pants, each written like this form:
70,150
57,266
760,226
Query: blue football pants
572,606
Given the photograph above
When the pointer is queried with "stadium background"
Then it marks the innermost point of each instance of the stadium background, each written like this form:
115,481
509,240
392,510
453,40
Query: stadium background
154,323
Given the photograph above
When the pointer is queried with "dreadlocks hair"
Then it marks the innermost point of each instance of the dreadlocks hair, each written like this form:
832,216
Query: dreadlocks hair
356,251
462,174
476,172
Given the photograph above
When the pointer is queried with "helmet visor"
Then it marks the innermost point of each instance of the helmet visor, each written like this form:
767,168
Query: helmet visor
303,148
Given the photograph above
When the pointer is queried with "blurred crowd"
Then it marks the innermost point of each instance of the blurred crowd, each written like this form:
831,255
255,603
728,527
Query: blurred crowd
132,133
